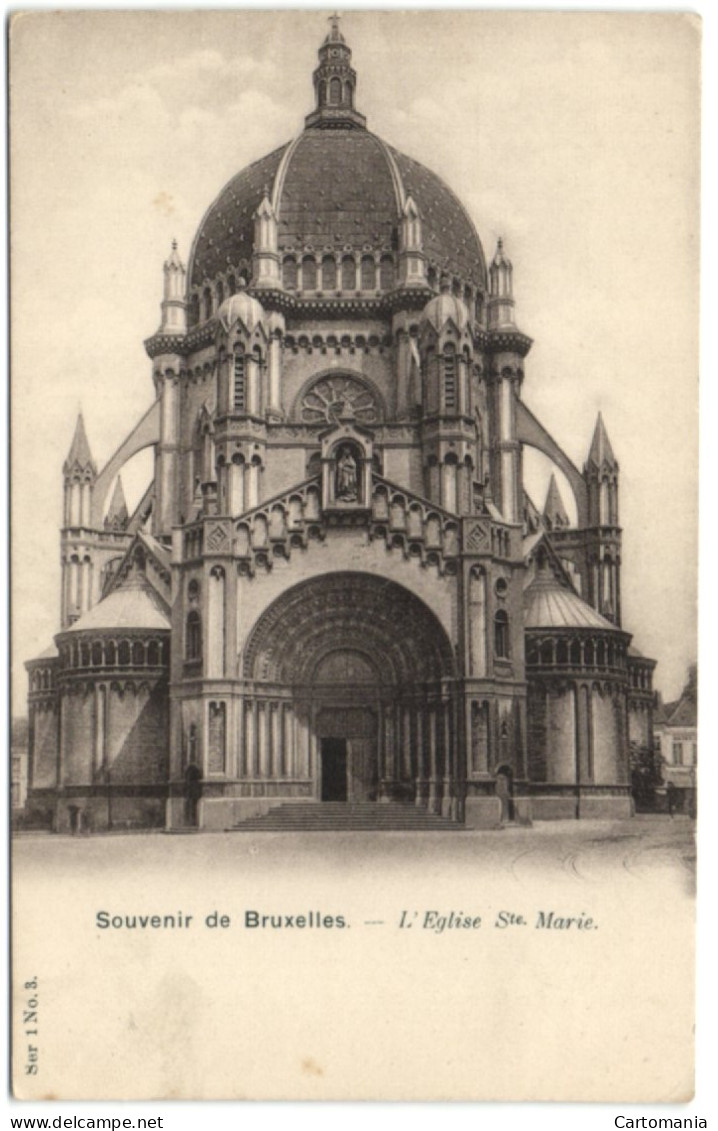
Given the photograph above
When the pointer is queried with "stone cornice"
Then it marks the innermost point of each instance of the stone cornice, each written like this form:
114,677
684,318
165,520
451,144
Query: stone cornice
508,341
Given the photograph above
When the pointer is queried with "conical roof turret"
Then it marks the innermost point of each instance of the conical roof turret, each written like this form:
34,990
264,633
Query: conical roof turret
117,514
79,457
554,511
601,452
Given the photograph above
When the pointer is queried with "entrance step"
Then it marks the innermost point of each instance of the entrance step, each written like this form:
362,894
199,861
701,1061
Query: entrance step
331,816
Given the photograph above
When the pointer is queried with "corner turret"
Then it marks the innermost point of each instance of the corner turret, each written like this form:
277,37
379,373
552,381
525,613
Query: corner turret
174,307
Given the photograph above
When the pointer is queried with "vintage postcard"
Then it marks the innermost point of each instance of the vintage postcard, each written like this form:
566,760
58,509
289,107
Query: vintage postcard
354,508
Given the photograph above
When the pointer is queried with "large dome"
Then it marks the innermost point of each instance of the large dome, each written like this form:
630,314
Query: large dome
337,190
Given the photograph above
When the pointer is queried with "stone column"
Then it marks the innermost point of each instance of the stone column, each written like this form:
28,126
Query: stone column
421,721
264,767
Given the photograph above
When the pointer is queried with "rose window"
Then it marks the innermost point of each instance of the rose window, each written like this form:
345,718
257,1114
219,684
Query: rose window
334,398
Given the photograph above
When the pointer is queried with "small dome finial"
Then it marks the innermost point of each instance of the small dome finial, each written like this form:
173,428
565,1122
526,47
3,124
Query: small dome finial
335,83
174,245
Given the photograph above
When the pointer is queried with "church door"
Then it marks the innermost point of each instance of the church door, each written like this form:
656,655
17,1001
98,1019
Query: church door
334,769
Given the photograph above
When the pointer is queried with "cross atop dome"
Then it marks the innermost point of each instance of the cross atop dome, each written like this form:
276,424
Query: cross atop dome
334,35
335,83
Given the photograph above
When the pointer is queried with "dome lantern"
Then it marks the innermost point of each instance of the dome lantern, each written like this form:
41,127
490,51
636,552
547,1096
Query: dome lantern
335,83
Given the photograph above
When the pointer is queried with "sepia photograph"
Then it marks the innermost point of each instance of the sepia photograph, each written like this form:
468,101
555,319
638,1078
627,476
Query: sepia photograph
354,482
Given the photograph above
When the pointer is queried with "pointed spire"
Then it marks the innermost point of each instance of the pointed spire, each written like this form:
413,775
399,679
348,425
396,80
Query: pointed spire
601,452
554,511
265,256
412,265
117,515
174,308
79,457
501,290
335,83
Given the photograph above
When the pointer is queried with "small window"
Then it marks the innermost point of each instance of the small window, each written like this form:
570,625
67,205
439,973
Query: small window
309,273
501,635
349,274
289,273
501,587
677,753
335,92
368,274
329,273
386,273
193,641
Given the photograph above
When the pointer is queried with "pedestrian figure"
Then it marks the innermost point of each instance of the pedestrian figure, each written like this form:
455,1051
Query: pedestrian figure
671,798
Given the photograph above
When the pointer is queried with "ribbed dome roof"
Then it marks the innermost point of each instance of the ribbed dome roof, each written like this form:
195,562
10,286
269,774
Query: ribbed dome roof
549,604
336,190
241,307
445,308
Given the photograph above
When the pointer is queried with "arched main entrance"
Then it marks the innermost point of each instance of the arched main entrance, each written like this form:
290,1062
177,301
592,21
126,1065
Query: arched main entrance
350,696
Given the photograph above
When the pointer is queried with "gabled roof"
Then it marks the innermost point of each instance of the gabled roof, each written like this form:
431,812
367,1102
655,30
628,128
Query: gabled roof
683,713
133,563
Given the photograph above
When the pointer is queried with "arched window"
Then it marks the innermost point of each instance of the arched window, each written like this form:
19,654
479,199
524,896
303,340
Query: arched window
349,273
335,91
329,273
207,303
386,273
240,384
123,653
322,93
194,310
96,655
232,285
289,273
110,654
153,654
309,273
501,635
193,638
138,654
368,273
220,293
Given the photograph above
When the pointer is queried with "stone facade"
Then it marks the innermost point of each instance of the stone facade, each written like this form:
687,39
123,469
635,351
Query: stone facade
336,588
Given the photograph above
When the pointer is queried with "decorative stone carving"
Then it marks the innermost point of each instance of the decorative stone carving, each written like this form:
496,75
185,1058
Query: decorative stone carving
333,398
217,538
477,538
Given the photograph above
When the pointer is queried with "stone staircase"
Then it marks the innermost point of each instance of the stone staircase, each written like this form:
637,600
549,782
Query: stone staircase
336,816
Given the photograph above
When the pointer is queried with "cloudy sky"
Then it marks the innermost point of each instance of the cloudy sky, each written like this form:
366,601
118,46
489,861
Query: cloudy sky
573,135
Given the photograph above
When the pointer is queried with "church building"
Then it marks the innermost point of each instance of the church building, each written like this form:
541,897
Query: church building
336,605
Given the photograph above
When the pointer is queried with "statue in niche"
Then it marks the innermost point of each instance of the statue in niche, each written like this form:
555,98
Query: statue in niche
346,476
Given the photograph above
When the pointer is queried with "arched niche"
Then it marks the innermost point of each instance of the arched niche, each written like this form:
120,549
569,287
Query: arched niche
347,453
